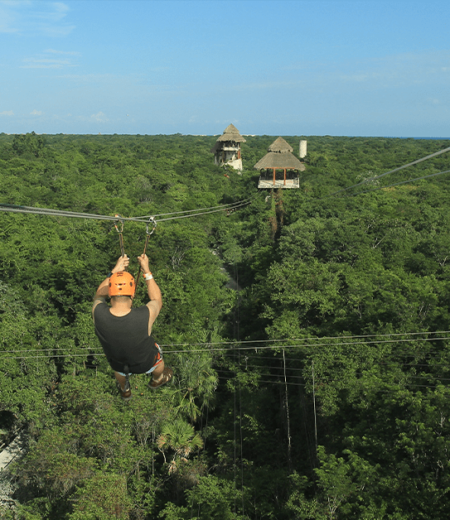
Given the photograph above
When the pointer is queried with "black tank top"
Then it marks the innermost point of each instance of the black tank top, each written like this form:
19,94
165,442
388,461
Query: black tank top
125,339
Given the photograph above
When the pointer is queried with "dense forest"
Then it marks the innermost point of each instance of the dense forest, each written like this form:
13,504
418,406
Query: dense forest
308,332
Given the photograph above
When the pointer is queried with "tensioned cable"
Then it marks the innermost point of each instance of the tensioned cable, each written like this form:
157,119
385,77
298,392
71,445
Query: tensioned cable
228,349
224,206
62,213
259,347
392,171
300,369
290,379
302,360
299,339
247,342
169,352
398,183
309,338
73,214
197,214
369,386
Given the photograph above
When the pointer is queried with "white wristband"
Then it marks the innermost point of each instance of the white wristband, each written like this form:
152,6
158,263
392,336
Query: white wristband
148,276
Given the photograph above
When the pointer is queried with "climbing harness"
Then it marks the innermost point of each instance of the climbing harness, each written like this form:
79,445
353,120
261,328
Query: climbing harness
126,370
151,221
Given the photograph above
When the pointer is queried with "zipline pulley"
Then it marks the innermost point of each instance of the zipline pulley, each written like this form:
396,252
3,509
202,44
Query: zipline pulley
151,221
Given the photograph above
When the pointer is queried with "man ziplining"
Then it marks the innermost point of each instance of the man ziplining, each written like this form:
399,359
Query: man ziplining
125,332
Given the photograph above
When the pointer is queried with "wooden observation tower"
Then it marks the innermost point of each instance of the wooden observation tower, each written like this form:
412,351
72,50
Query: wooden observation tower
281,162
227,150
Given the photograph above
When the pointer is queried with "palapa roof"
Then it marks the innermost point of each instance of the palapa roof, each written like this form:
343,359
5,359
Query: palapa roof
280,146
280,160
280,156
231,133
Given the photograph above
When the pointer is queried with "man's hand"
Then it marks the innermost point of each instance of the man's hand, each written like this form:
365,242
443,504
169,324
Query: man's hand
143,262
121,264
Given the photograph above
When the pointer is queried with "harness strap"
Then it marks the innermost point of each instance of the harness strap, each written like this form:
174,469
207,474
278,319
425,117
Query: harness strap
148,233
126,369
120,231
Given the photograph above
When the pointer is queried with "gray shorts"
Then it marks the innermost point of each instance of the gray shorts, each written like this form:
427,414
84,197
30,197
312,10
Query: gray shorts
159,360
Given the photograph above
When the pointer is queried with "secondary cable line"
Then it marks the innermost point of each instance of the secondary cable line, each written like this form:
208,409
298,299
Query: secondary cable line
287,377
61,213
231,343
269,347
368,386
398,183
308,338
14,208
259,347
391,171
230,348
166,345
223,206
198,214
287,412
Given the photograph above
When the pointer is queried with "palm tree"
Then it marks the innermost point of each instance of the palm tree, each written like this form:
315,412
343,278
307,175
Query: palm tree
180,437
197,382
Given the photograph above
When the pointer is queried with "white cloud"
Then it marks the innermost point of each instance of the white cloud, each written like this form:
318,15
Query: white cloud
268,85
90,78
7,113
34,17
99,117
378,73
32,63
67,53
36,113
48,60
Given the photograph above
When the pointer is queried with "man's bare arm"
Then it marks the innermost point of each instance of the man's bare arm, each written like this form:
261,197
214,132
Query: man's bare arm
154,293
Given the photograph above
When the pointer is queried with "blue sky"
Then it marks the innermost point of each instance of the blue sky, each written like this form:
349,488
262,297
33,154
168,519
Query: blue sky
318,67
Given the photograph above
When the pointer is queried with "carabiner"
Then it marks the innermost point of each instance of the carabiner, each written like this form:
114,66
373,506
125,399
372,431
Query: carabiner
152,221
119,219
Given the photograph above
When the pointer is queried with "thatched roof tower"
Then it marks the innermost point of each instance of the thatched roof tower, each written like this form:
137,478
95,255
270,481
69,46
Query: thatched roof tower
280,146
231,133
279,157
227,149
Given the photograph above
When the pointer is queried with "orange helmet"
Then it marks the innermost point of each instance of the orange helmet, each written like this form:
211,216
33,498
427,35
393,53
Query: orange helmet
121,284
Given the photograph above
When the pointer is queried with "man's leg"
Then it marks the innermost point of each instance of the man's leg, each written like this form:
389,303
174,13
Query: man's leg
157,373
160,376
121,380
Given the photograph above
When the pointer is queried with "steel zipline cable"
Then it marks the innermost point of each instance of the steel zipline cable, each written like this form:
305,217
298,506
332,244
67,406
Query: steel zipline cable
232,348
145,217
392,171
398,183
254,344
299,342
14,208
